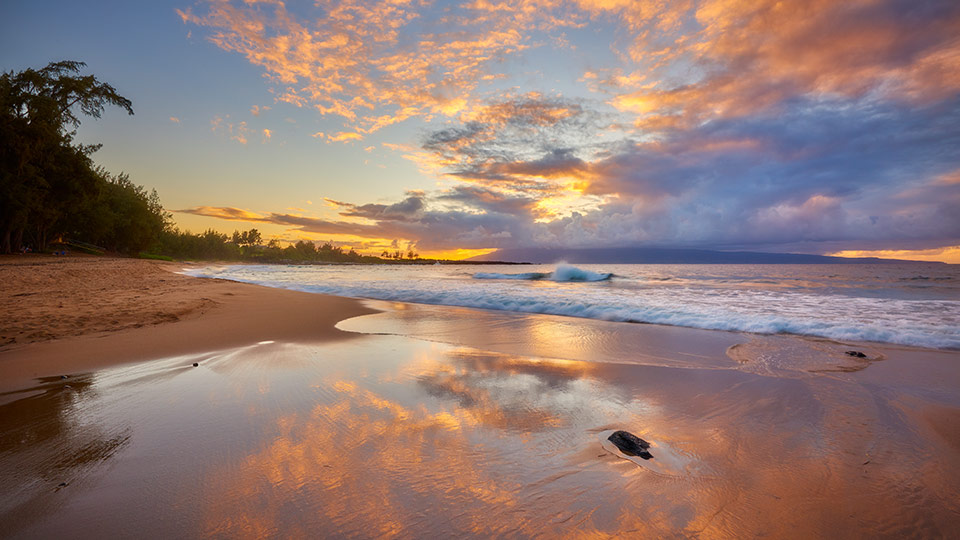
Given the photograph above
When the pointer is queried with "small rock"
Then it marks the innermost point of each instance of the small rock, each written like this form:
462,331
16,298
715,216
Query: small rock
856,354
195,364
630,444
63,376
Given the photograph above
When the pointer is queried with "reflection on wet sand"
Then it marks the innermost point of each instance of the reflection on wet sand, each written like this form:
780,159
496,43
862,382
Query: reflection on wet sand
45,446
392,436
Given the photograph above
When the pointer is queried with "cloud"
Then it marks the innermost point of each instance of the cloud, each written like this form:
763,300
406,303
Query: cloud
372,64
742,124
224,212
682,62
523,142
174,119
818,174
754,55
406,210
344,136
235,131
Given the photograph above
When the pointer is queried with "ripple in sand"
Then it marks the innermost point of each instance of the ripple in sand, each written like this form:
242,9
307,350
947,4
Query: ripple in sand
782,356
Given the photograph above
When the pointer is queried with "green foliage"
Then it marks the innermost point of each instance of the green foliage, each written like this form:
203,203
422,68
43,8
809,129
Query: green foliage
119,215
49,186
144,255
246,238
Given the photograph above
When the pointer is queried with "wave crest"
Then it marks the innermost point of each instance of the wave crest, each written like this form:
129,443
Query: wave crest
566,272
562,273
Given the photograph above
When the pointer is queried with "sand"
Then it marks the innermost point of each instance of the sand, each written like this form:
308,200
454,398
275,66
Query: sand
451,422
75,314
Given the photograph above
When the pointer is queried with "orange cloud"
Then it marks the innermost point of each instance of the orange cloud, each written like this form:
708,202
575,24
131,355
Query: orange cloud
750,55
350,62
345,136
224,212
375,64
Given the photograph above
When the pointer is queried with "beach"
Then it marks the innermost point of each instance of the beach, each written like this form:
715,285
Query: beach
82,313
315,415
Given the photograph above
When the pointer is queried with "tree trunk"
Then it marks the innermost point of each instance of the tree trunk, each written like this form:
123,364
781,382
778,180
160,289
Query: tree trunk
5,241
18,239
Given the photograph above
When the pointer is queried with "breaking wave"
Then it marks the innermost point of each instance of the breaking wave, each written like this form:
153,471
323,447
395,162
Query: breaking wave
636,298
563,273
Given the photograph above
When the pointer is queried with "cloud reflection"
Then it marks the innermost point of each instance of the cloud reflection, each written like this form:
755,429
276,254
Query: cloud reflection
373,461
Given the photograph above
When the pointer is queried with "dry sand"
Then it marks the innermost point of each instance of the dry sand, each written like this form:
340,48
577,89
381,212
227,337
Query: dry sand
66,315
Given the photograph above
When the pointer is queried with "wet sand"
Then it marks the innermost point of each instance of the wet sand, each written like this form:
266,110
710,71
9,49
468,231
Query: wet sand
72,315
473,423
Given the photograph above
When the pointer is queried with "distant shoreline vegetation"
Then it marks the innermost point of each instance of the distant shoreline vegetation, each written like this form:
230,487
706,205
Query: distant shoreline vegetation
246,246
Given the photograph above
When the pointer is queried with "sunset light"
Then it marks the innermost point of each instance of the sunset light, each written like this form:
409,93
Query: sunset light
729,114
480,269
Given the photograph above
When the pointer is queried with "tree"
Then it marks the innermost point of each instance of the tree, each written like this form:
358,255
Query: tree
43,175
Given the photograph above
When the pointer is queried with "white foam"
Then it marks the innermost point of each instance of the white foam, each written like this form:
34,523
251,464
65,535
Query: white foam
563,273
928,323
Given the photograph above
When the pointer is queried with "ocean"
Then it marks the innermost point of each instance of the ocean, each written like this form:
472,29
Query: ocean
906,304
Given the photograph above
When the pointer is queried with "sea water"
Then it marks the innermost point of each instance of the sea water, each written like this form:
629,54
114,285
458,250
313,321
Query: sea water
908,304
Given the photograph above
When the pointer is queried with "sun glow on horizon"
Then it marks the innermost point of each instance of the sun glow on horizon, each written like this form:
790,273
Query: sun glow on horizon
456,254
947,254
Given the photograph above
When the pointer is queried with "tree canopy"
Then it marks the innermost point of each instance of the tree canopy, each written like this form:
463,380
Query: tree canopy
49,185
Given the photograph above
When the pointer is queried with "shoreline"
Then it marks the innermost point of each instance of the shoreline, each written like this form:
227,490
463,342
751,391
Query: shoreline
162,313
110,318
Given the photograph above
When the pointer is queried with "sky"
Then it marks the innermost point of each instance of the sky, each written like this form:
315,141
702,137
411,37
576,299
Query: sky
456,128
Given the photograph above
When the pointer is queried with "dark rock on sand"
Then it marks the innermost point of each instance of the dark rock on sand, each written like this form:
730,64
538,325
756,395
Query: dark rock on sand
630,444
195,364
856,354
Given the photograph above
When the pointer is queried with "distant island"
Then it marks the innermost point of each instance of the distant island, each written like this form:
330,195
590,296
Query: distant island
642,255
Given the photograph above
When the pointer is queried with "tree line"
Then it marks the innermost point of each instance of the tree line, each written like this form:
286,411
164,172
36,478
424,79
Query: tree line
247,246
51,192
49,185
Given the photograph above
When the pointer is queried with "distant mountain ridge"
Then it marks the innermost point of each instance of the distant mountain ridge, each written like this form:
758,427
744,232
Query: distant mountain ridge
666,256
